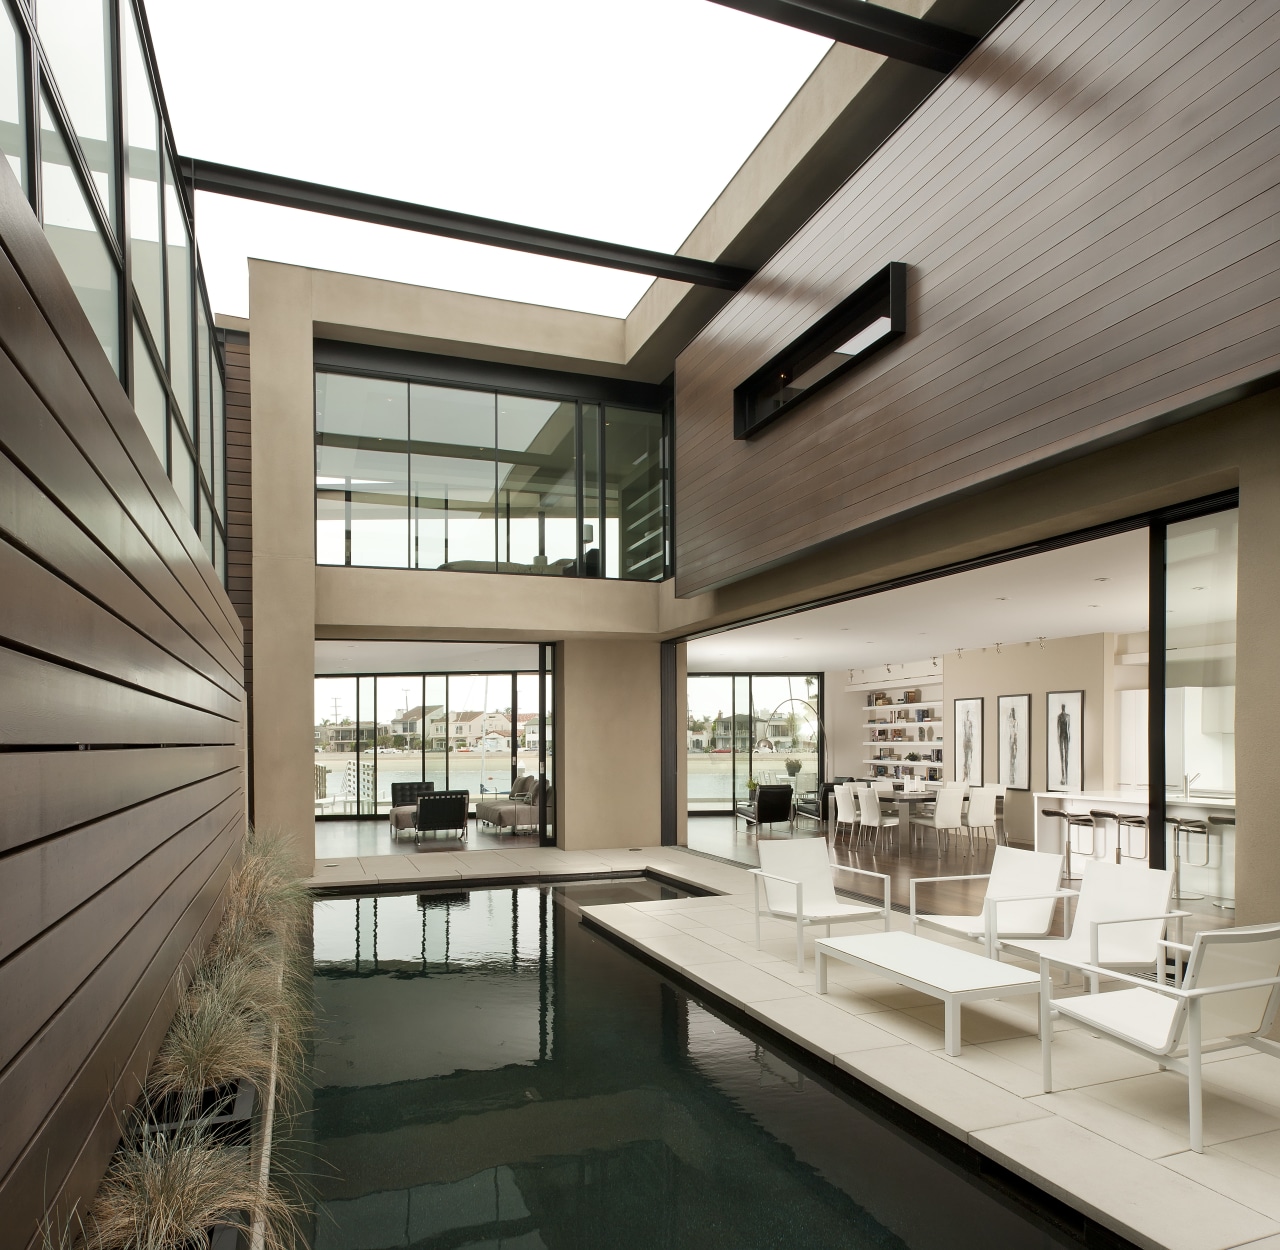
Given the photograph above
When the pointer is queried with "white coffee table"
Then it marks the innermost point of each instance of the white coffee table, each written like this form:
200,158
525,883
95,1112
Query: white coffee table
954,976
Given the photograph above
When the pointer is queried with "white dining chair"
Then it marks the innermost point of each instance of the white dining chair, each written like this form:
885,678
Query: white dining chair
873,818
1227,997
981,814
846,809
946,815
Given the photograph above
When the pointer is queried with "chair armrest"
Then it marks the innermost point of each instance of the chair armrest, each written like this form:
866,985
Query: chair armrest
1226,989
977,876
1182,946
883,876
1095,925
773,876
1155,987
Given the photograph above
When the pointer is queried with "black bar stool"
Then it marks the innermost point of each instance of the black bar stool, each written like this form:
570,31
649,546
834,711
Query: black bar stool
1100,819
1187,827
1224,823
1128,823
1074,820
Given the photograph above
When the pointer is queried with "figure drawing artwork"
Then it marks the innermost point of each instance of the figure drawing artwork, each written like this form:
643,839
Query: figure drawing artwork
1013,734
1064,736
968,740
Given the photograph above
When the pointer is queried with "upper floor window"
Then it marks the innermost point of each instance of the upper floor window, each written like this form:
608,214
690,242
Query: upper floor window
410,475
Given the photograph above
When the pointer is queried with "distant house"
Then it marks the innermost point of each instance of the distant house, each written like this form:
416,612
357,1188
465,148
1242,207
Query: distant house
344,737
410,723
465,729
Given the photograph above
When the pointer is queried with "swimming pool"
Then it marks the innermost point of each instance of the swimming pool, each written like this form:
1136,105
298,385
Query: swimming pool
491,1074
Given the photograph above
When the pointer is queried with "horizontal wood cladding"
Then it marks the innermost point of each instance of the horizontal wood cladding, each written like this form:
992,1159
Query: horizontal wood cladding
1088,208
240,511
122,789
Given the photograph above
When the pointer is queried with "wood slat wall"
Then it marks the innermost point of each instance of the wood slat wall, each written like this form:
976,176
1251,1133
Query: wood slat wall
122,795
240,509
1088,209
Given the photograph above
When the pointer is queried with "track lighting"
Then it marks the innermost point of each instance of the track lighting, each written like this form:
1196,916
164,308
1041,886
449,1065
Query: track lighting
997,648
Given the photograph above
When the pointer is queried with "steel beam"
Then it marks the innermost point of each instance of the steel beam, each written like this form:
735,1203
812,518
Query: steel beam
869,26
247,184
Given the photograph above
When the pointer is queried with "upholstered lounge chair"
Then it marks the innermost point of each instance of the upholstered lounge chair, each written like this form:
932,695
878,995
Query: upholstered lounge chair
404,805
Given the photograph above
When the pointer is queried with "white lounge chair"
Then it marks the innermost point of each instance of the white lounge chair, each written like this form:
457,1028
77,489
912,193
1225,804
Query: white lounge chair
1022,890
1120,920
798,886
1228,997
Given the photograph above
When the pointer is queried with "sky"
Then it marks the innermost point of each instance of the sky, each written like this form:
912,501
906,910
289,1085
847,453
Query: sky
606,119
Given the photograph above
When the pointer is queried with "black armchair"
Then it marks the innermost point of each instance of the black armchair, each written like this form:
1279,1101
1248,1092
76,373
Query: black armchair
404,804
442,811
772,804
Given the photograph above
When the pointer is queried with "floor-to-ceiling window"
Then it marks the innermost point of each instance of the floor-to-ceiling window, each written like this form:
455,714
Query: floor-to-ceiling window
1199,705
411,475
477,732
745,727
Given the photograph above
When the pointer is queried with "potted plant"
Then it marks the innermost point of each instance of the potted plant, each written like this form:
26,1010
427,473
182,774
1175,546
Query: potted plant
793,767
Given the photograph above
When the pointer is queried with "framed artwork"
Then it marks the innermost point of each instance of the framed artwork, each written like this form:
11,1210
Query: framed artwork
1013,733
968,740
1064,738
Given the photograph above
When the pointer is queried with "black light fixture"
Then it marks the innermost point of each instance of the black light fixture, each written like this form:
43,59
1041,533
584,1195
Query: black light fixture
862,323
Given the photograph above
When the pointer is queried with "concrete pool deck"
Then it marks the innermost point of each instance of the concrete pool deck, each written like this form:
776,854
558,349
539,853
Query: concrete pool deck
1111,1141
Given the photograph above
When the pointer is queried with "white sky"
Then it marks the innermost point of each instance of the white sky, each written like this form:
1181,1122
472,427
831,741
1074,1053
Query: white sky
619,121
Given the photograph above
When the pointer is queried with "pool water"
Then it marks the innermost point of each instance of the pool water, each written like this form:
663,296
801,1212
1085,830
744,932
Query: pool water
491,1074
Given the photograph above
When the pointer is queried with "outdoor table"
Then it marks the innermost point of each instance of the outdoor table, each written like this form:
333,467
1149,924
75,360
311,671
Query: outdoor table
942,972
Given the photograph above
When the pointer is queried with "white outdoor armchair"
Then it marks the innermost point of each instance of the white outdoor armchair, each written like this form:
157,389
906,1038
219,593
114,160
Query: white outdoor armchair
798,886
1121,915
1022,889
1228,997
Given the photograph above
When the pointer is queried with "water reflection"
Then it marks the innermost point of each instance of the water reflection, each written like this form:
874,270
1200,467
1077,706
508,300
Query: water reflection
490,1074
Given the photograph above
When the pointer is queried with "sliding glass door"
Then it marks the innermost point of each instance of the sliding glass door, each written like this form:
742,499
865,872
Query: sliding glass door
744,727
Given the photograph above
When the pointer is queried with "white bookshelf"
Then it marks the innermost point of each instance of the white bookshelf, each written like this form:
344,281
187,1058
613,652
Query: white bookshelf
899,728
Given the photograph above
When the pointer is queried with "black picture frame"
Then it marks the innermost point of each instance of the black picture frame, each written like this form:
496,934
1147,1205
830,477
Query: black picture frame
1013,741
1064,741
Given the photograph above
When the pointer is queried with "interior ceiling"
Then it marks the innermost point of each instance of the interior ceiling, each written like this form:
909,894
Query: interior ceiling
1089,588
337,656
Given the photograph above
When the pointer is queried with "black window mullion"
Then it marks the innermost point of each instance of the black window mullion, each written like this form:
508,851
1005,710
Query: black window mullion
1157,625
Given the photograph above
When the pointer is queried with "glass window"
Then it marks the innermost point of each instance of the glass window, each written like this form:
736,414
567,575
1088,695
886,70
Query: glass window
182,470
204,415
591,528
13,96
435,756
144,180
634,496
148,396
1200,702
220,557
453,478
709,743
217,407
72,231
537,492
335,742
76,35
178,264
361,471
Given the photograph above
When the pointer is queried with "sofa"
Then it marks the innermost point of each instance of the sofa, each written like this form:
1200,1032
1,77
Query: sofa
519,810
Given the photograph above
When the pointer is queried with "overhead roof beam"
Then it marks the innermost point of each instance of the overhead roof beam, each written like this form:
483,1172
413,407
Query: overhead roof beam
247,184
869,26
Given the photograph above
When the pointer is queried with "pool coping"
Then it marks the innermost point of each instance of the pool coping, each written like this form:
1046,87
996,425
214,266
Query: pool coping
1016,1144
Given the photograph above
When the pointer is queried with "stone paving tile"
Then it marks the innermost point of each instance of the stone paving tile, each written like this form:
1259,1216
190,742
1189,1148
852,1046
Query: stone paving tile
1078,1059
685,951
1161,1098
822,1027
1262,1151
953,1099
1114,1123
979,1022
1135,1196
1230,1177
999,1071
629,921
742,984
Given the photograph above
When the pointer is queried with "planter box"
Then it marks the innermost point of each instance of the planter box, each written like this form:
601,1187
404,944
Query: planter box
226,1113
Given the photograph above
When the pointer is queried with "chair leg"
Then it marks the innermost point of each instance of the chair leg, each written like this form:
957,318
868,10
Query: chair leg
800,943
1046,1028
1195,1097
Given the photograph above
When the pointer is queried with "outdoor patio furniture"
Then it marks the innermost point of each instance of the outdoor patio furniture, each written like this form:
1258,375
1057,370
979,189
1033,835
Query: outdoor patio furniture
1022,889
942,972
1120,921
404,804
798,886
772,804
1228,997
443,811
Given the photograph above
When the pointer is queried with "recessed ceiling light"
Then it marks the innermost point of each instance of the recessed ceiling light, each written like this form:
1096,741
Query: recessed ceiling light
1197,587
1091,605
1002,599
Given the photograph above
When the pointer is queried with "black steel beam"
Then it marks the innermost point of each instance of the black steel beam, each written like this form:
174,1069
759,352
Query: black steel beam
247,184
869,26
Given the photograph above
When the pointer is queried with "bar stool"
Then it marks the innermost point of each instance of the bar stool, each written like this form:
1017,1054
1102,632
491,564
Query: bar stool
1188,827
1224,823
1127,824
1074,820
1100,819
